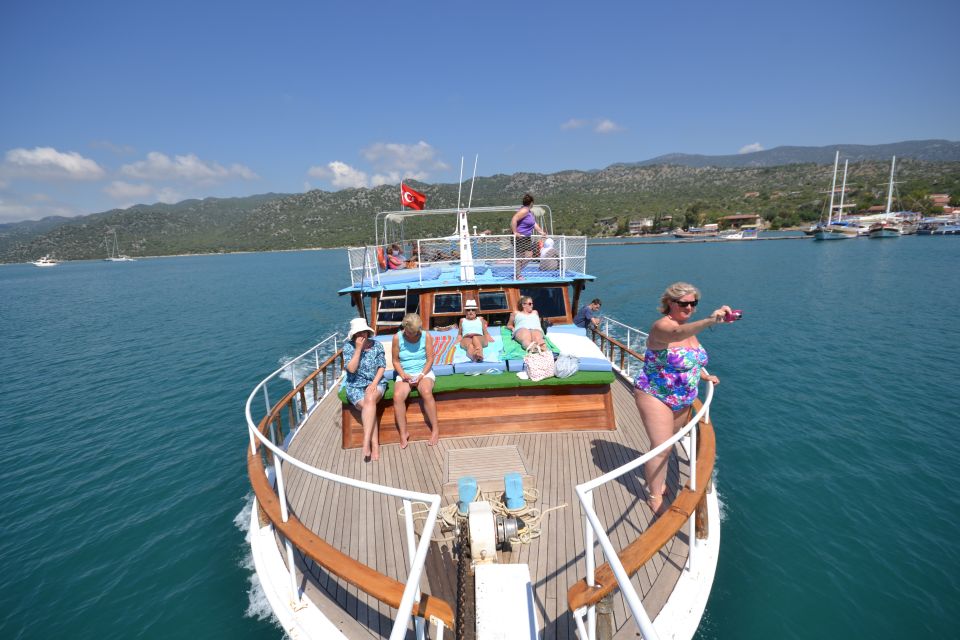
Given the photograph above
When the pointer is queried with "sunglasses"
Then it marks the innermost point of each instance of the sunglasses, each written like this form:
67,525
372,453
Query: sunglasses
687,303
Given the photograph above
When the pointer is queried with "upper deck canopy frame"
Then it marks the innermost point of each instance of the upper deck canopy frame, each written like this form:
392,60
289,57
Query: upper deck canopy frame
388,225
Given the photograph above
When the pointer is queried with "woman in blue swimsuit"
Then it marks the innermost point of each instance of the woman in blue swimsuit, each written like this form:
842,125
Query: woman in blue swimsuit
525,325
473,335
667,385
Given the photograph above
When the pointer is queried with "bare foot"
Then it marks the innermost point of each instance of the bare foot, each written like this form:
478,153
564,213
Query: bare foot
656,505
375,455
404,441
434,439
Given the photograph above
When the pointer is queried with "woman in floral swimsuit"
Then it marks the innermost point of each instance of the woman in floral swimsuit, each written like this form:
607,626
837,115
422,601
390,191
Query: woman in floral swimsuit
365,362
667,385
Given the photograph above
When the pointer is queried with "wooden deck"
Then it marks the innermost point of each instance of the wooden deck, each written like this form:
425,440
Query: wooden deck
369,527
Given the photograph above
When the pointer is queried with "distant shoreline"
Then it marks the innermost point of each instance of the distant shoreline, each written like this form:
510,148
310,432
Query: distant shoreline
595,241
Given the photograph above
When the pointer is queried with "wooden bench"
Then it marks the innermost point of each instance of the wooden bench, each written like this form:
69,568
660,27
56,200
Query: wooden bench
530,407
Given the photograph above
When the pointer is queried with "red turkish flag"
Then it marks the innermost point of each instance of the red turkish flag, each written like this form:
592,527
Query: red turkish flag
411,198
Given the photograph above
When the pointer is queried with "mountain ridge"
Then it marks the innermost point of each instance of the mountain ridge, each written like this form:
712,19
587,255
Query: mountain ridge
586,201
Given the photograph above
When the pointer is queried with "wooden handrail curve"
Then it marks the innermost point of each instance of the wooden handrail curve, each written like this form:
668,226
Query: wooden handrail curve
638,552
384,588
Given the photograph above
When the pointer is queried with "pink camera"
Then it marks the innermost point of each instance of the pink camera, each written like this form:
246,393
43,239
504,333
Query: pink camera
733,316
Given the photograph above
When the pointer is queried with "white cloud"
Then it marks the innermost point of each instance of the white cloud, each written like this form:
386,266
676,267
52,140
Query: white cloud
169,196
391,163
190,168
750,148
14,208
606,125
340,175
573,123
409,159
46,163
119,190
598,125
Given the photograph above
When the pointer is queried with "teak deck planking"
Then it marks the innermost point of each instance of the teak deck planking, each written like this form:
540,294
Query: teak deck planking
367,525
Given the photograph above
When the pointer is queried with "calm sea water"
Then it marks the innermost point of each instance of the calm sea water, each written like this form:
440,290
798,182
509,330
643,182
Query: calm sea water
121,405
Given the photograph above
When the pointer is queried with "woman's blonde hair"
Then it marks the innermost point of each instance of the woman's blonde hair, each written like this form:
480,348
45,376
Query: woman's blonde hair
674,292
521,301
412,322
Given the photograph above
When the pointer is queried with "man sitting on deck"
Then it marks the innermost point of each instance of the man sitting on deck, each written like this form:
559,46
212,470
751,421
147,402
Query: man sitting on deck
585,317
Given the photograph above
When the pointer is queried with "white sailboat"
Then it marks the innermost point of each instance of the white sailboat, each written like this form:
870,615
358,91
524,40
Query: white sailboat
888,227
113,250
836,230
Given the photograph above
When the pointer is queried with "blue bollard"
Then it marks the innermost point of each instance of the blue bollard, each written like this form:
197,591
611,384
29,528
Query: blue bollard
513,485
467,493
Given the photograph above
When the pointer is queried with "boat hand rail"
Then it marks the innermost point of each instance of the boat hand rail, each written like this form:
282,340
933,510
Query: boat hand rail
405,597
609,343
689,507
493,251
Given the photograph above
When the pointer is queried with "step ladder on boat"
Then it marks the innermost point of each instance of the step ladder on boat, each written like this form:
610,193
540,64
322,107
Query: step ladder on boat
391,307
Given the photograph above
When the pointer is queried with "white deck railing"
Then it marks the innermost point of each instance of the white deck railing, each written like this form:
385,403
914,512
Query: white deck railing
493,256
593,527
417,551
595,532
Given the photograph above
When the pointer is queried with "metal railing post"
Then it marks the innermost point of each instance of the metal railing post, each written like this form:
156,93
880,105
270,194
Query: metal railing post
591,561
412,551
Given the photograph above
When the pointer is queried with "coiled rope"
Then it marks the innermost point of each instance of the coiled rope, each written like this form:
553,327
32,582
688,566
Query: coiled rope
448,518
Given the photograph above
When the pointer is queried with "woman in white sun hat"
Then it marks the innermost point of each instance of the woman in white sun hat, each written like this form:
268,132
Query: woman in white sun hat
473,334
365,362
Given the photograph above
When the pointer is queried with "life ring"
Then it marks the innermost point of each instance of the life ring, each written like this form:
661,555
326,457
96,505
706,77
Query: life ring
381,259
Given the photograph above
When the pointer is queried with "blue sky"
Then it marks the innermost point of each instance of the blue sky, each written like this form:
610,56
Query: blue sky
108,104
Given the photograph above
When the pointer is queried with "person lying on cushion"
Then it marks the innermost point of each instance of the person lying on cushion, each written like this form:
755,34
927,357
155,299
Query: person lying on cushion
473,334
525,325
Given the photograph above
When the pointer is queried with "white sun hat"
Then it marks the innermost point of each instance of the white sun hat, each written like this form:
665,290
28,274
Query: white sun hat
356,326
470,304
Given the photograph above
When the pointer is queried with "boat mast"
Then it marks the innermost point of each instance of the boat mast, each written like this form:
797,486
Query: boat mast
833,188
890,188
466,250
843,190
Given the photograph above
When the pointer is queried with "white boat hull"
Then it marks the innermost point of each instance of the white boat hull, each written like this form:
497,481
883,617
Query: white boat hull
833,234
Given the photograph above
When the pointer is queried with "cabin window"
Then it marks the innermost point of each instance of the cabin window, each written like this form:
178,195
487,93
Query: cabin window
548,301
447,303
493,300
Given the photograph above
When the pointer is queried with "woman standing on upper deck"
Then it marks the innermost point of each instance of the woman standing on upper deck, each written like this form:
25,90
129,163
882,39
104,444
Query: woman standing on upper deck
667,384
524,223
413,360
365,362
525,324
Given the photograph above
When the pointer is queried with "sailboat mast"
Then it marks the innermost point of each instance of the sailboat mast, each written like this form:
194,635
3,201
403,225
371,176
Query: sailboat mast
833,187
843,189
890,188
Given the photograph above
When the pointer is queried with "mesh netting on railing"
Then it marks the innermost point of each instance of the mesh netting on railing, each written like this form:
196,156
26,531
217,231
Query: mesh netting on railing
634,339
363,266
493,256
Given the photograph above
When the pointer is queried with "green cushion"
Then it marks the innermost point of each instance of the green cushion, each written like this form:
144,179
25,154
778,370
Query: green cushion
512,349
506,380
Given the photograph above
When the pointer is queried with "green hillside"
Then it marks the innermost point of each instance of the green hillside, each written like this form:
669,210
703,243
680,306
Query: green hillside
785,195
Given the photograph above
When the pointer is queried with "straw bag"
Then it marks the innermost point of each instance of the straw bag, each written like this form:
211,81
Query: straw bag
538,363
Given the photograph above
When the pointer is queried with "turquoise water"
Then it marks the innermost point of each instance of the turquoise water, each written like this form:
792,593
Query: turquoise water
122,394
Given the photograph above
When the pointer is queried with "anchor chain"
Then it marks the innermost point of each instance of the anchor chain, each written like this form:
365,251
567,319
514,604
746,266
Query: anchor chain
466,621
